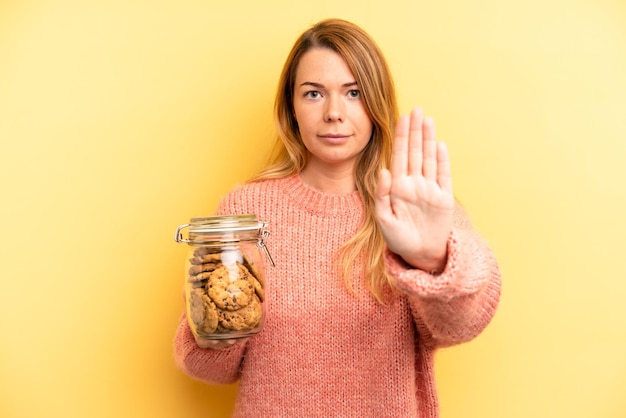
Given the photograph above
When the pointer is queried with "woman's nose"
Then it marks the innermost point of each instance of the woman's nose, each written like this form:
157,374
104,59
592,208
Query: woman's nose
334,109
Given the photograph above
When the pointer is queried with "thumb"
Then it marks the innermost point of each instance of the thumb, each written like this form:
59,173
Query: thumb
382,193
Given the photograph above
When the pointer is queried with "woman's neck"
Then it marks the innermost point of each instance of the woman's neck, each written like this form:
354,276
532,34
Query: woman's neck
335,180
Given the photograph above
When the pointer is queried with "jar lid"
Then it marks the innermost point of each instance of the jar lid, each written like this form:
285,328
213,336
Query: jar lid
218,230
236,227
210,224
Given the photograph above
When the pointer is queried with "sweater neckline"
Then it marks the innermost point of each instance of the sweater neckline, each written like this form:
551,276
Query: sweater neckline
321,203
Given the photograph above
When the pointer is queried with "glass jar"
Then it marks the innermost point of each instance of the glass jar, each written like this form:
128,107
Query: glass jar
225,275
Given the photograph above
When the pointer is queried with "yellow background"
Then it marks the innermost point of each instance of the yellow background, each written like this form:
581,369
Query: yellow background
120,120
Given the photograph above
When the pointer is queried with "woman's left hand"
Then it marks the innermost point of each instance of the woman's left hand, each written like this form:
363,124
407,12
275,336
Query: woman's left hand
414,199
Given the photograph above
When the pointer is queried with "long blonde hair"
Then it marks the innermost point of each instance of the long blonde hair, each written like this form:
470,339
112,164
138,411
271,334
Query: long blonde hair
372,75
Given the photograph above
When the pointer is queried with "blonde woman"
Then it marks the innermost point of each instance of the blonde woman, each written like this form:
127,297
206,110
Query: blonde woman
376,265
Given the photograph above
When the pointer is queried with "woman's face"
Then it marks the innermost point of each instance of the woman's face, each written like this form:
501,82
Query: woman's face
329,109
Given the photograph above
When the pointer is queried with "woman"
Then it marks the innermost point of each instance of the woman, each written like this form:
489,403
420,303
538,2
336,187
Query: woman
376,268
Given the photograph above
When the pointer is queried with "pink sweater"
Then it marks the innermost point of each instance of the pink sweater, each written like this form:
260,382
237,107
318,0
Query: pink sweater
324,352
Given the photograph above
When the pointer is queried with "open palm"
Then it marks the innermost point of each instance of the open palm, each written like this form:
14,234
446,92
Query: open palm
414,199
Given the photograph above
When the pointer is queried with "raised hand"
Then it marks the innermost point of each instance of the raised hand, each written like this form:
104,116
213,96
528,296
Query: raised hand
414,199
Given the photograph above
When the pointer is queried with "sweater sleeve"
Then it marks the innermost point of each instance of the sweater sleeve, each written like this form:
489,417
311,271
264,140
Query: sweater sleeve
212,366
456,305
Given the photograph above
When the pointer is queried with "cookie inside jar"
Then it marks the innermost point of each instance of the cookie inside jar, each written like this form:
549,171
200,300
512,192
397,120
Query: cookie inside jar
225,290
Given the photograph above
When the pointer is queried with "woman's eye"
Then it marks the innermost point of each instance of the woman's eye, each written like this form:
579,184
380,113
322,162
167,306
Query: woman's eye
312,94
354,94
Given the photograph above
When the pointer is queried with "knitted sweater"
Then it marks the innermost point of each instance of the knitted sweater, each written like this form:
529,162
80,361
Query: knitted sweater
326,352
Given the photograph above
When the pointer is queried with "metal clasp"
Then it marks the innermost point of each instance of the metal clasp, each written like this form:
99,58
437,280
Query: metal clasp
261,242
178,235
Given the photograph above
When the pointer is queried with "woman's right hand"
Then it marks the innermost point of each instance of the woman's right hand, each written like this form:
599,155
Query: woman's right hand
217,344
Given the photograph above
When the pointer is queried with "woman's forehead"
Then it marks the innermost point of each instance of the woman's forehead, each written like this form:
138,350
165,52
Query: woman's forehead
323,66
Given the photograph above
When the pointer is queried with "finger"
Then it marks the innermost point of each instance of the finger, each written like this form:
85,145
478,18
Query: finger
399,150
429,168
444,175
215,344
382,194
415,142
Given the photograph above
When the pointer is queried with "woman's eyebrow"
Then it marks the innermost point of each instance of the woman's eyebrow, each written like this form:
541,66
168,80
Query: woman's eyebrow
319,86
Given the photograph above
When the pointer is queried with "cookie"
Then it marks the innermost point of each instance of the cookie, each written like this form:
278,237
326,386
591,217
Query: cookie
200,277
256,281
198,284
206,258
200,251
247,262
202,268
258,289
230,290
241,319
203,311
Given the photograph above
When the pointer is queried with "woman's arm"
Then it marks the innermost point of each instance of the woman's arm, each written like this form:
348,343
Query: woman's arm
447,270
456,305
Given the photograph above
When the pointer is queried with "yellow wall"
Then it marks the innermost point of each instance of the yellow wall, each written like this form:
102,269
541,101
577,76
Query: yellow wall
121,120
